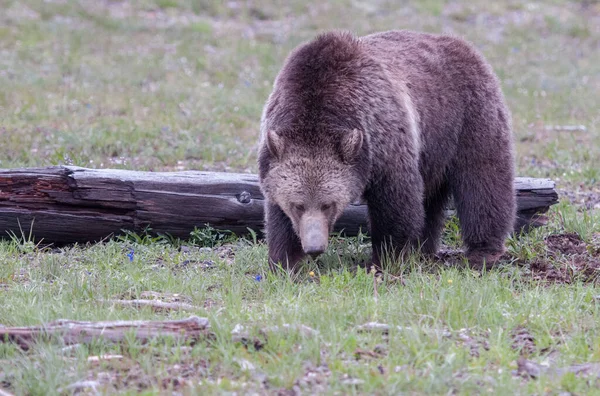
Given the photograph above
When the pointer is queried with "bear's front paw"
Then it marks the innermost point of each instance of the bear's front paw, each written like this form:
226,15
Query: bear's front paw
483,260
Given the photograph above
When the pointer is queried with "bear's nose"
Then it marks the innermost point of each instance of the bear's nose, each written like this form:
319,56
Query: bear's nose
313,233
314,252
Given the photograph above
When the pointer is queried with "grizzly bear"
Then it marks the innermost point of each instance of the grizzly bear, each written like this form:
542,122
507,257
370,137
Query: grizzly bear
400,119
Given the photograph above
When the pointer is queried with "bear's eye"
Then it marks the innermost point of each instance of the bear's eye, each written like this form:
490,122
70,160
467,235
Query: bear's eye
326,207
299,208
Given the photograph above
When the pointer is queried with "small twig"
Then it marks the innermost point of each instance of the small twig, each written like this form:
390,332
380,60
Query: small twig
70,348
383,328
166,297
96,359
5,393
567,128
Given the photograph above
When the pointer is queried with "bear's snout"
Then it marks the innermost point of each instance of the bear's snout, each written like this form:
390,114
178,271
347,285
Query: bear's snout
314,234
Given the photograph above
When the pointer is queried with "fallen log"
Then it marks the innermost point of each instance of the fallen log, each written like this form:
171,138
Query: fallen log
75,332
155,305
67,204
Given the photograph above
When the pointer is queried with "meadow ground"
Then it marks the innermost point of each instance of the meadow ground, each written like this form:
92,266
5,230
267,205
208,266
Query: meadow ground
169,85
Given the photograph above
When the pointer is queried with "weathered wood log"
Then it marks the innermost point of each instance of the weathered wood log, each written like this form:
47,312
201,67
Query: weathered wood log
66,204
155,305
75,332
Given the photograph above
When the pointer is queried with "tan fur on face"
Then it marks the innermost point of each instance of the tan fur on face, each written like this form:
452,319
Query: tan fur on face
321,182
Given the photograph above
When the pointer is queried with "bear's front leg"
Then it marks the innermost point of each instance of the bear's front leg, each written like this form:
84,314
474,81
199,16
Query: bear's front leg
396,214
284,245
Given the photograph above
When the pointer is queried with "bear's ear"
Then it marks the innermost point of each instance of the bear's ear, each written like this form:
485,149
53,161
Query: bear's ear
275,143
351,144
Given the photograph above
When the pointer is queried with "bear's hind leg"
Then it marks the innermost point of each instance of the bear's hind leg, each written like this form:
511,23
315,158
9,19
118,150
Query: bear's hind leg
485,207
284,245
482,185
434,219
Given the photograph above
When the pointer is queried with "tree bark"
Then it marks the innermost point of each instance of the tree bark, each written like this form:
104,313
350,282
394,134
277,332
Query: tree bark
66,204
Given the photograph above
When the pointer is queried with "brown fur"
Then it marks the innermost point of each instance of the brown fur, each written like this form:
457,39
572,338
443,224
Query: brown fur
403,119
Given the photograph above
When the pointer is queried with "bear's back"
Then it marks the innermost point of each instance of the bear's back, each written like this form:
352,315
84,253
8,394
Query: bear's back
448,81
432,56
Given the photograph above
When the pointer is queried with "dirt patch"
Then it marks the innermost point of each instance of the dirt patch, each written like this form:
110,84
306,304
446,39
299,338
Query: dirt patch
586,268
546,272
130,374
523,341
475,342
579,267
570,243
314,381
569,258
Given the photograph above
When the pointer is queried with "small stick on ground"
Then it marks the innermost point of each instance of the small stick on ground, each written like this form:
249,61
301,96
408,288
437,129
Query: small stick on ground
166,297
382,328
99,358
73,332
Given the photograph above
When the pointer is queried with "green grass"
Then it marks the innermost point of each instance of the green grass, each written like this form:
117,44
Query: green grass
428,308
169,85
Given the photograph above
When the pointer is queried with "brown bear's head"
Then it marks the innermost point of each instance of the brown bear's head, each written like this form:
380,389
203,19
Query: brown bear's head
313,182
314,155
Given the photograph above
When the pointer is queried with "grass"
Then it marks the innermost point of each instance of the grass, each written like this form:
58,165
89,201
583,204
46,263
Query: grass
426,353
169,85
